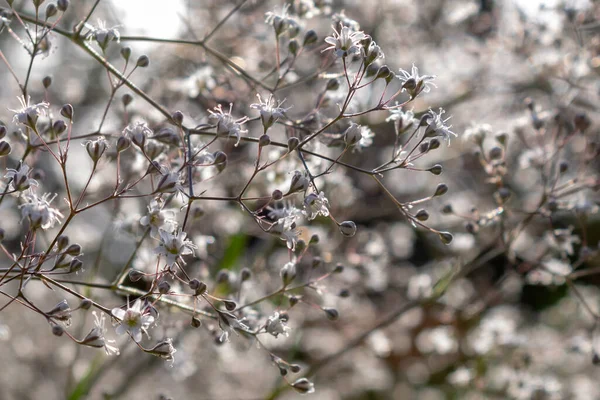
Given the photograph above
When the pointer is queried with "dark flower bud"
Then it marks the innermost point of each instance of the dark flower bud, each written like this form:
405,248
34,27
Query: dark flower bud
383,72
264,140
57,330
164,287
501,138
495,153
73,250
504,193
142,61
47,81
582,122
300,244
277,195
282,370
295,368
126,53
59,127
344,293
563,167
2,131
422,215
436,169
331,313
447,209
177,117
5,148
294,300
123,143
434,144
317,262
314,239
424,147
220,157
86,304
198,287
135,275
372,70
441,190
303,386
293,47
338,269
222,276
62,5
51,10
75,265
67,111
230,305
445,237
293,143
310,37
348,228
126,99
245,274
333,84
196,323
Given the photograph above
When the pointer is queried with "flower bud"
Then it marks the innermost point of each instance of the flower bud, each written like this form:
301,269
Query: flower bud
338,269
353,134
196,323
126,53
277,195
198,287
163,349
135,275
47,81
96,148
445,237
230,305
86,304
348,228
299,182
563,166
372,70
310,37
73,250
501,138
62,5
314,239
317,262
447,209
57,330
222,276
220,157
383,72
441,190
422,215
59,127
264,140
51,10
303,386
75,265
332,313
333,84
164,287
434,144
126,99
123,143
177,117
245,274
293,143
2,131
142,61
67,111
5,148
495,153
293,47
344,293
436,169
294,300
295,368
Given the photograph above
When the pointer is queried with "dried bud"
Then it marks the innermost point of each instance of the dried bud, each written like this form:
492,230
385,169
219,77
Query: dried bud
67,111
348,228
332,313
47,81
143,61
5,148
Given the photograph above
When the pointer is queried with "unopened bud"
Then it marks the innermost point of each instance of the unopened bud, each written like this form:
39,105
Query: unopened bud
86,304
333,84
47,81
348,228
5,148
303,386
445,237
73,250
277,195
196,323
332,314
422,215
177,117
126,53
164,287
62,5
135,275
198,287
143,61
123,143
288,273
126,99
293,143
245,274
264,140
310,37
75,265
338,269
293,47
51,10
59,127
436,169
57,330
67,111
230,305
441,190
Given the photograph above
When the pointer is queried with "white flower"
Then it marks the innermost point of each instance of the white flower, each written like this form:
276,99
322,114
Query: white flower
282,22
38,211
403,120
157,217
228,323
29,113
96,337
346,42
134,320
562,240
437,126
226,125
138,132
169,182
96,147
174,246
277,325
19,178
270,110
163,349
103,35
415,83
315,205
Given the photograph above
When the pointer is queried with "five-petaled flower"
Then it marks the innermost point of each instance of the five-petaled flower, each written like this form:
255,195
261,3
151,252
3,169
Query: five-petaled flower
174,246
97,336
414,83
437,126
19,178
315,205
345,42
270,110
134,320
29,113
38,211
226,125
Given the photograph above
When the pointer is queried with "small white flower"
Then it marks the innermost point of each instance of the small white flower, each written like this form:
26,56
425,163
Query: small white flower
29,113
226,125
315,205
103,35
270,110
38,211
163,349
157,217
437,126
19,178
96,147
345,42
403,120
174,246
282,22
134,320
277,325
228,323
415,83
138,132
